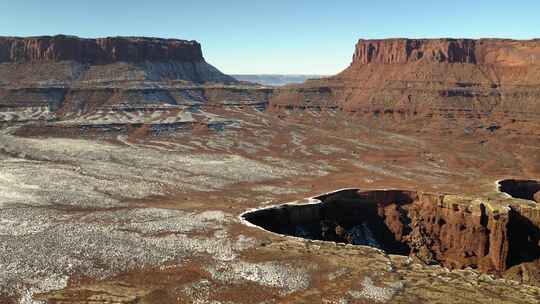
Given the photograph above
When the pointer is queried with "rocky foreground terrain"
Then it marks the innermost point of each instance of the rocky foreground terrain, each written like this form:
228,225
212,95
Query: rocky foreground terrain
132,171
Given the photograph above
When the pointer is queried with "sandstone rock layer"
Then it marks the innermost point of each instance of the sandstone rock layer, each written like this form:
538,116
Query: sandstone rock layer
450,78
64,75
455,231
61,59
97,51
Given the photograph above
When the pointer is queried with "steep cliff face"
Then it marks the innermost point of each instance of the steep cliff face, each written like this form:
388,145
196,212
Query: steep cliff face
500,237
63,75
493,52
451,78
98,51
400,51
460,233
67,58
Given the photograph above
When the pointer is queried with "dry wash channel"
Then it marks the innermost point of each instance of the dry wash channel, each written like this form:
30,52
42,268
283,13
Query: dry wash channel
454,231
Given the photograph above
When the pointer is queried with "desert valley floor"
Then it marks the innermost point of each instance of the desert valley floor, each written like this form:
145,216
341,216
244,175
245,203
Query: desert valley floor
151,216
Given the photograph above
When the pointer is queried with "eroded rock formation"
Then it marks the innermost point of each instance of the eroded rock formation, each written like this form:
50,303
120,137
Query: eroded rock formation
62,60
97,51
51,78
401,51
457,232
451,78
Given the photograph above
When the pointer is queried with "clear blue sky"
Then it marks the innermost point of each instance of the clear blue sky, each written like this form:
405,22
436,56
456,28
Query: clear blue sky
274,36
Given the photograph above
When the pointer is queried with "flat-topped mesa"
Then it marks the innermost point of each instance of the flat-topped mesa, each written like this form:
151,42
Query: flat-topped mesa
97,51
446,50
462,80
74,61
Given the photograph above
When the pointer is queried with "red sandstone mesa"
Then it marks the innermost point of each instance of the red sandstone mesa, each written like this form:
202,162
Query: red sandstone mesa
49,71
429,77
97,51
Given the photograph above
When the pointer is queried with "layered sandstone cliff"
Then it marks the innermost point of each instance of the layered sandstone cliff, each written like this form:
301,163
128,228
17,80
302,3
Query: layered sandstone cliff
497,236
52,77
68,59
493,52
98,51
400,51
430,77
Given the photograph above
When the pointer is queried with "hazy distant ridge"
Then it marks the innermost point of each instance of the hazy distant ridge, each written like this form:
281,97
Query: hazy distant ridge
275,79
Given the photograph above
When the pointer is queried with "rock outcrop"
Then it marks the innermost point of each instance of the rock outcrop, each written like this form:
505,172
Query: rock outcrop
68,58
401,51
493,236
98,51
451,78
50,78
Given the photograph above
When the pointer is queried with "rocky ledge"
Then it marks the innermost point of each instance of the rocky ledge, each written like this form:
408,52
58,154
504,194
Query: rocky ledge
493,235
